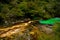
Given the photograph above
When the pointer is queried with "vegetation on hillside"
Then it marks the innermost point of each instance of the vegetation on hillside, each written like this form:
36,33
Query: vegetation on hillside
14,10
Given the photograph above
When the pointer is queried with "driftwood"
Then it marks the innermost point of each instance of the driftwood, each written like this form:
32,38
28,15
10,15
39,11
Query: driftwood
14,29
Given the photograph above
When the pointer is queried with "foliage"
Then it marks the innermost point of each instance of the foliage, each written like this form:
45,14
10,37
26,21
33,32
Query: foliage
12,10
56,29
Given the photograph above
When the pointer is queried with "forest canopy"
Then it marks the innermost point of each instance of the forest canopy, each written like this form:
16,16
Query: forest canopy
14,10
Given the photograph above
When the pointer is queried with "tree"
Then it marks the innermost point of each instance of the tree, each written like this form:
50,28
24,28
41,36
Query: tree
11,10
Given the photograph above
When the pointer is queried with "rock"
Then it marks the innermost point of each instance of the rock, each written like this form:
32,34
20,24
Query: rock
46,29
